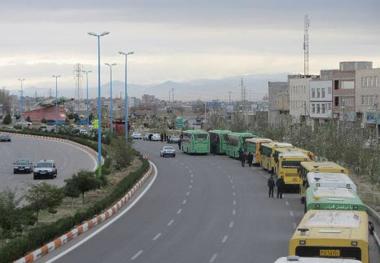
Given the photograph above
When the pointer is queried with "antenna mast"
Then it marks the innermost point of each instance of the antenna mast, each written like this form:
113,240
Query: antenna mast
306,45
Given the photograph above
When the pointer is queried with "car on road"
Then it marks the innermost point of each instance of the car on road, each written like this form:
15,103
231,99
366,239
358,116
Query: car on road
174,139
45,169
22,166
5,138
147,136
136,136
167,151
156,137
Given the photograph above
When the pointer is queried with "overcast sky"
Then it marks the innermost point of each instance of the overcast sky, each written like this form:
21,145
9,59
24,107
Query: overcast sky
181,39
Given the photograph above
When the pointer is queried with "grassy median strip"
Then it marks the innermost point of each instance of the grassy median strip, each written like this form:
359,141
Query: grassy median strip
121,176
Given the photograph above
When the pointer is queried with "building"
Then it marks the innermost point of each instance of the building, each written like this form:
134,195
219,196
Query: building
343,80
299,97
148,99
320,100
367,96
278,94
49,113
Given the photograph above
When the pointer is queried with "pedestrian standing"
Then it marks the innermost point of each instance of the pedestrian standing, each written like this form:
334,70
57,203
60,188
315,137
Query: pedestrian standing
179,144
250,159
242,157
280,187
271,185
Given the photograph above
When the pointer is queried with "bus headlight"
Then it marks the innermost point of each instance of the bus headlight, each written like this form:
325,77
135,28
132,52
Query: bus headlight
355,207
302,242
354,243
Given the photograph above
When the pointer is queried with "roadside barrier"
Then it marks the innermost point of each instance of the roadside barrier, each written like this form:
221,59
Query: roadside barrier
376,217
42,251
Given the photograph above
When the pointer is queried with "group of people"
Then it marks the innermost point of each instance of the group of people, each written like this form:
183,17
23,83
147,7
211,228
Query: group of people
245,158
279,184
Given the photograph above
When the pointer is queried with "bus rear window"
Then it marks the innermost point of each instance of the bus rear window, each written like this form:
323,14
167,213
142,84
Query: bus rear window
200,136
290,164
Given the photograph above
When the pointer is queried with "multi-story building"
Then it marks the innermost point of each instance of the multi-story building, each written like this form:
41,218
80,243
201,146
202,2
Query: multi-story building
367,95
343,81
278,102
320,99
299,96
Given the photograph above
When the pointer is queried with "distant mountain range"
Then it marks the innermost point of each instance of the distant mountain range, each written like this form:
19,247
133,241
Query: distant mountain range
256,88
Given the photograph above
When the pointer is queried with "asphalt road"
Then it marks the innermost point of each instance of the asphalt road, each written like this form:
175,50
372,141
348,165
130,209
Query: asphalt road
69,159
199,209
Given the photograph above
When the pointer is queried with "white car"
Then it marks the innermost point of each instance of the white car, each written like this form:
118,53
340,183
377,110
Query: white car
136,136
45,169
156,137
167,151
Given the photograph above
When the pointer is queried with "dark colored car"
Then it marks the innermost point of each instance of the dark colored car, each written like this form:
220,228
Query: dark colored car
22,166
5,138
45,169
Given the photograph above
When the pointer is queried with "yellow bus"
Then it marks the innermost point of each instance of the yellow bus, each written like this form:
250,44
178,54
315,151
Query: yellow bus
288,162
331,234
267,151
316,167
253,145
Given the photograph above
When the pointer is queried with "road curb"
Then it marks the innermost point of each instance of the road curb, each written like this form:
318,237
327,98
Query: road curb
96,220
375,216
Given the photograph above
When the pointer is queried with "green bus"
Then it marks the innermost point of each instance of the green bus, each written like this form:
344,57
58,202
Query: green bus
236,141
218,141
328,198
195,141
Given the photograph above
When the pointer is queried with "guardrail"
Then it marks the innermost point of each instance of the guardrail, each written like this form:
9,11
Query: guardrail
376,216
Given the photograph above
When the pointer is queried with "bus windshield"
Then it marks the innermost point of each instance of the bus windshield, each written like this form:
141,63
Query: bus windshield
291,164
200,137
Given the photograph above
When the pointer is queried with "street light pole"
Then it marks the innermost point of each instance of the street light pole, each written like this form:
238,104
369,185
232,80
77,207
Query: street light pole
111,99
99,103
56,99
21,97
87,112
126,54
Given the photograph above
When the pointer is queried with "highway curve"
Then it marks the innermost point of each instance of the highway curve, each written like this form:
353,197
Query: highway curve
69,158
199,209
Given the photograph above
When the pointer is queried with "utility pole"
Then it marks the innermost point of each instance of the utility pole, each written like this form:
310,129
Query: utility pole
306,45
78,76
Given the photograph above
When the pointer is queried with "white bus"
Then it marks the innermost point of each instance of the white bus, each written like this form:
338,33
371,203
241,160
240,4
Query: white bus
331,180
295,259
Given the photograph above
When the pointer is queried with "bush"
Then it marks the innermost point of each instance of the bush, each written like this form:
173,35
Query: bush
81,182
7,119
122,153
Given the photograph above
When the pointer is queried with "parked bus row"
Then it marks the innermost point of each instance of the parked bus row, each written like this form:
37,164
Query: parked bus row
335,224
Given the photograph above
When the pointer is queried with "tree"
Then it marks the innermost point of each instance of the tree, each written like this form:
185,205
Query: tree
44,196
81,182
121,153
7,119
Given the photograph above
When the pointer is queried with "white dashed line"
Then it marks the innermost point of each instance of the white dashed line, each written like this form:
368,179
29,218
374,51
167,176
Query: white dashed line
179,211
170,222
233,193
191,181
231,225
184,202
234,202
156,237
212,259
137,255
291,213
190,186
234,212
188,193
287,203
233,187
224,239
191,175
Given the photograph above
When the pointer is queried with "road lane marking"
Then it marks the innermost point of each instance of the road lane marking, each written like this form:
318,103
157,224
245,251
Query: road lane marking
170,222
188,193
191,175
224,239
234,212
156,236
184,202
137,255
231,225
291,213
294,225
234,202
233,193
191,181
190,186
287,203
179,211
233,187
84,240
212,259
